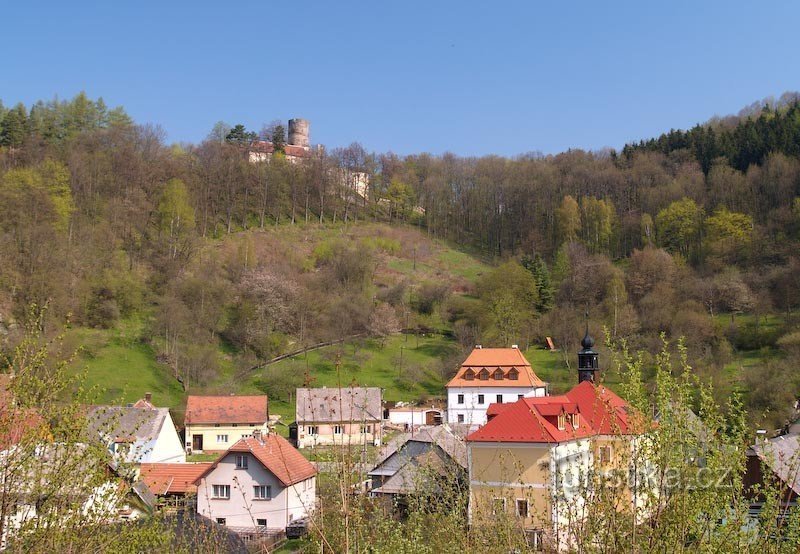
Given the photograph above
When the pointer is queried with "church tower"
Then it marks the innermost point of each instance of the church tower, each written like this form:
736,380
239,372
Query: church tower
587,359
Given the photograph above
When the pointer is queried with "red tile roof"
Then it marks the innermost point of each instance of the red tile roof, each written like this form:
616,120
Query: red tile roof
600,412
164,479
275,454
226,409
492,359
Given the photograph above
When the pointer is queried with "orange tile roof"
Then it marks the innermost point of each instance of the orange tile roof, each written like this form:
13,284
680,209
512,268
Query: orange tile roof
276,454
164,479
226,409
601,412
492,359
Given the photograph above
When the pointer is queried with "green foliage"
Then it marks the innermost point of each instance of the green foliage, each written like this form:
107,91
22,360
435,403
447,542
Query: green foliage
38,195
598,219
568,219
175,218
538,268
240,136
746,144
278,139
511,294
14,127
678,226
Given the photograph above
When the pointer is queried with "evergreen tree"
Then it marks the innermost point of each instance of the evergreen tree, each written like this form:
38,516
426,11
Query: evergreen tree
14,127
538,268
279,139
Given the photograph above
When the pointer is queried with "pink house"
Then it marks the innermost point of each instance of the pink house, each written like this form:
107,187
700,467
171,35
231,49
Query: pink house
262,482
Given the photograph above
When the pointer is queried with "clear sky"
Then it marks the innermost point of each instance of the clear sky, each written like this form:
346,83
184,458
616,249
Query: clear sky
467,77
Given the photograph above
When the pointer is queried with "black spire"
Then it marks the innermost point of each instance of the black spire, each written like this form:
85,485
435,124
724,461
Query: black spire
587,342
587,357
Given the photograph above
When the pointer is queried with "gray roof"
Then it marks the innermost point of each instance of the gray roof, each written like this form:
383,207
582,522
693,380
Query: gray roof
782,455
415,468
441,435
127,422
337,404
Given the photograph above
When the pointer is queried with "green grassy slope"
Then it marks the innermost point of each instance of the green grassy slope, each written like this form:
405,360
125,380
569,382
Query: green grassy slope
121,366
125,367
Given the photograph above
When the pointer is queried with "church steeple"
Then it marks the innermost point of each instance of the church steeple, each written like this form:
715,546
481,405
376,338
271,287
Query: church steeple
587,357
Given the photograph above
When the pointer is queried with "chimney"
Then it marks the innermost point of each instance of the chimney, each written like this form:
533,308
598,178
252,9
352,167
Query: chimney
148,396
515,346
257,434
478,346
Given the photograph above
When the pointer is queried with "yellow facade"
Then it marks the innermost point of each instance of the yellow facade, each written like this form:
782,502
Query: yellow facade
218,437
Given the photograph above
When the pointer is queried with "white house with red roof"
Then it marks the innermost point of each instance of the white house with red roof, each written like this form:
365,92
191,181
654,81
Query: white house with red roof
534,458
214,423
488,376
261,483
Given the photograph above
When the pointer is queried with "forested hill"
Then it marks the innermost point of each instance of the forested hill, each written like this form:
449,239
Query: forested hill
740,142
203,263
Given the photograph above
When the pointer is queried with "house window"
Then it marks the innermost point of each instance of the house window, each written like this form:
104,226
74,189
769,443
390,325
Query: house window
513,374
484,374
522,507
222,438
313,430
262,492
241,461
562,421
498,374
534,538
221,520
261,522
480,399
604,453
338,429
469,375
222,491
461,418
460,398
498,505
365,429
499,398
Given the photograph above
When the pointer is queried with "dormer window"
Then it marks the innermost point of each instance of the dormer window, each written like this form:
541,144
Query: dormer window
513,374
498,374
562,421
576,421
469,375
484,374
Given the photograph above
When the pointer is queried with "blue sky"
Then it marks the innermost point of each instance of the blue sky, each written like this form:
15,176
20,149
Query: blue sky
471,78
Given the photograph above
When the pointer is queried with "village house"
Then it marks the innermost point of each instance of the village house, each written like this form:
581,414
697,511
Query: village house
214,423
338,415
411,460
533,457
773,462
487,376
262,483
64,481
137,435
407,417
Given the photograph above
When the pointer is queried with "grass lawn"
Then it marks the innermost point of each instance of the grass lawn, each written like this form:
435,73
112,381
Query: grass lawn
405,367
121,366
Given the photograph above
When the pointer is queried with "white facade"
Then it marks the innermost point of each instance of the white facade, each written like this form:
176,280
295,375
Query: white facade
241,507
412,417
167,447
469,404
